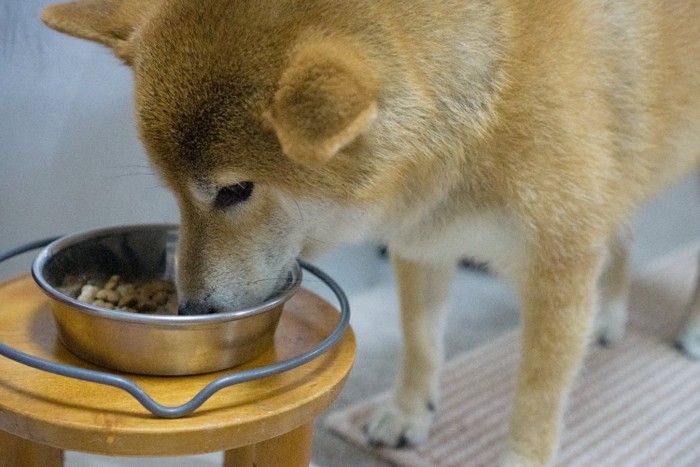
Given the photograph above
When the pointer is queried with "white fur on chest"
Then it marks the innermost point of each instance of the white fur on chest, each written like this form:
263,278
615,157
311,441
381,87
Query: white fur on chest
491,237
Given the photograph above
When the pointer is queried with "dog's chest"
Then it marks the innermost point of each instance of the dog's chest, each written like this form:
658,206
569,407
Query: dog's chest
492,237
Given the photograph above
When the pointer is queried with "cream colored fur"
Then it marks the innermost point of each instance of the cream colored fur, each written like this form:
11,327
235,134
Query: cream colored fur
519,132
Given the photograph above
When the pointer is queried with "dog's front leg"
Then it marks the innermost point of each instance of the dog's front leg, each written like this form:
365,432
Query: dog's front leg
424,291
557,296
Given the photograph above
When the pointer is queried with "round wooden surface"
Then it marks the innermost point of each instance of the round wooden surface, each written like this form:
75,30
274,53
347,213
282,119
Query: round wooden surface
89,417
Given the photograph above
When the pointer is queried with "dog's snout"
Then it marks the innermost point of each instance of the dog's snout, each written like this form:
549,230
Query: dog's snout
195,307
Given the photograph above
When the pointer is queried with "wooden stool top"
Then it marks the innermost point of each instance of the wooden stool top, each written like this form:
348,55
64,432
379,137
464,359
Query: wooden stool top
89,417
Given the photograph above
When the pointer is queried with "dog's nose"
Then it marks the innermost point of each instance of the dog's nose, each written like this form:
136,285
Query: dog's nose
195,307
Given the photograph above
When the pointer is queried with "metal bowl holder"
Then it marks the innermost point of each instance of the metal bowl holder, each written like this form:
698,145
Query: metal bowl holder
210,389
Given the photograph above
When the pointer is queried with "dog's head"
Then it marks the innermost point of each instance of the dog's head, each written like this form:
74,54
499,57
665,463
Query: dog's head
258,124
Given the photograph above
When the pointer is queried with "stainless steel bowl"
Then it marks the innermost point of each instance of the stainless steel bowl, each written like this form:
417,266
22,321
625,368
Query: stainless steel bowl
148,343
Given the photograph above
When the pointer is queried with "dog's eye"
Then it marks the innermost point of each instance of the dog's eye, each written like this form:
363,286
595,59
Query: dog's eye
233,194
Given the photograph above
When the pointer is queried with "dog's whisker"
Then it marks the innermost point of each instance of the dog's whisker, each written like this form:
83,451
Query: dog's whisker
146,167
301,214
283,286
257,281
318,240
133,174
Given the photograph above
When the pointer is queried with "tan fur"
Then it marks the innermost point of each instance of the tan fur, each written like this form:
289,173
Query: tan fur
519,132
324,100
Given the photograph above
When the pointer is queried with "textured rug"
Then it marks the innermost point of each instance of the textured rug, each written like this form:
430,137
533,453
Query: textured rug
634,404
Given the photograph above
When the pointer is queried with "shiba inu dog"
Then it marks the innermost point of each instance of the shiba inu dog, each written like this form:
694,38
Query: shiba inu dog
522,133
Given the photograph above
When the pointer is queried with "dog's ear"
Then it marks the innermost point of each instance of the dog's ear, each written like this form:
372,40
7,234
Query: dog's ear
326,98
109,22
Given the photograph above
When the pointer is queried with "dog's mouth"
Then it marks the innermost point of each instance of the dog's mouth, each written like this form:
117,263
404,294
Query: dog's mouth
285,285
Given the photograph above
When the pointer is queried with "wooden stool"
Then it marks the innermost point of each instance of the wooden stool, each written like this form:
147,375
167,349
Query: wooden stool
266,422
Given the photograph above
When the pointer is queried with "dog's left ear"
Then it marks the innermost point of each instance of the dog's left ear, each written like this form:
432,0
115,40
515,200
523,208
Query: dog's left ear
109,22
325,99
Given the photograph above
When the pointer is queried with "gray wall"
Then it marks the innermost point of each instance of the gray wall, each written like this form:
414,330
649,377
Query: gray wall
71,159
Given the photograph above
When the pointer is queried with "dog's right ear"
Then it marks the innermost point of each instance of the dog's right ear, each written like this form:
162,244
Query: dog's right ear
325,99
109,22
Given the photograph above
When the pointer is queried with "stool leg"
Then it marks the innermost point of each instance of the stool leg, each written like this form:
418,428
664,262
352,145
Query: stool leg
19,452
291,449
240,457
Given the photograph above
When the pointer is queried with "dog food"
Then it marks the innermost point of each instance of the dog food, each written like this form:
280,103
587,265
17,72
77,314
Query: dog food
153,296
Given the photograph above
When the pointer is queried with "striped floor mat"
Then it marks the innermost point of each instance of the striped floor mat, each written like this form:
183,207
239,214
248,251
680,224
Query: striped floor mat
634,404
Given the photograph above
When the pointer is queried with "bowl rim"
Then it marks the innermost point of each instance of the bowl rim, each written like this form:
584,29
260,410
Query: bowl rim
72,239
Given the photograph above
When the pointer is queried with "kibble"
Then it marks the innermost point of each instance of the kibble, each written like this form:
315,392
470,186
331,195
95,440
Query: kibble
155,296
112,283
88,293
108,295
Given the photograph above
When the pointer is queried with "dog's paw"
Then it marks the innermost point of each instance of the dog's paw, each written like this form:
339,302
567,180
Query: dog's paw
611,323
390,426
688,339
